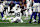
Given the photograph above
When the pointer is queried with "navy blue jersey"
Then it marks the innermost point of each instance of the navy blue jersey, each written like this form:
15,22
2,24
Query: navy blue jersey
37,1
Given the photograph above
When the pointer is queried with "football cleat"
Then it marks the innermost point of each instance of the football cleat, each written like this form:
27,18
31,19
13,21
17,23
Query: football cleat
3,18
30,21
38,21
34,21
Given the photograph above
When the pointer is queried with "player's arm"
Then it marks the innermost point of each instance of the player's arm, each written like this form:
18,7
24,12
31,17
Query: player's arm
2,8
8,8
24,8
31,1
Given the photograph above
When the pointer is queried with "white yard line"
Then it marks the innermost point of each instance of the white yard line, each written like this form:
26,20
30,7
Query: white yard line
4,22
21,26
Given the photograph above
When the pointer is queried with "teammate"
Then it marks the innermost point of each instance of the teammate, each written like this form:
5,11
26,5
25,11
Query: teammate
17,12
27,7
32,12
36,5
1,10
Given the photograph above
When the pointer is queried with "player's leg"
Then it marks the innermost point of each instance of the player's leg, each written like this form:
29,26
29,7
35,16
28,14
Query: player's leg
39,13
31,17
30,11
26,14
35,15
26,11
19,20
39,18
12,20
36,11
2,16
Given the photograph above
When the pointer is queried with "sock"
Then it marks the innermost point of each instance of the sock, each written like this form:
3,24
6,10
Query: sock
32,14
35,15
31,17
39,16
2,15
27,15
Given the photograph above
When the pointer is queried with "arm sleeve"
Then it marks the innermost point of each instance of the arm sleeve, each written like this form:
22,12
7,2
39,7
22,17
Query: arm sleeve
2,7
8,9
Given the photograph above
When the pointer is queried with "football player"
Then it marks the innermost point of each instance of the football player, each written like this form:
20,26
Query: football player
1,10
27,7
17,12
35,9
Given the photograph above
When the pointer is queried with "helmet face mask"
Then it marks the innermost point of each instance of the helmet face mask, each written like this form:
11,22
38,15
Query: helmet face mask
0,2
16,9
17,6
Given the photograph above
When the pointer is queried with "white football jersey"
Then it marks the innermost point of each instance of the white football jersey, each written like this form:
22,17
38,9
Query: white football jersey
17,12
1,8
4,2
36,6
27,3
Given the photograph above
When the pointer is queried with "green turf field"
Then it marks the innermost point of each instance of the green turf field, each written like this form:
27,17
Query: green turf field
25,24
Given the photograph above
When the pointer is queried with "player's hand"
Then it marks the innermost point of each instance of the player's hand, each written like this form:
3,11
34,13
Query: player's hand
25,9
